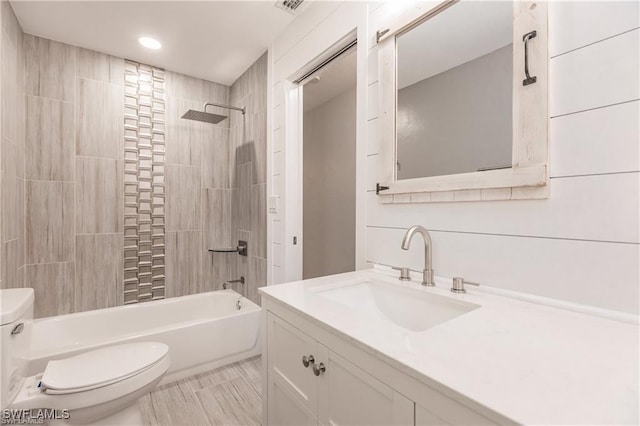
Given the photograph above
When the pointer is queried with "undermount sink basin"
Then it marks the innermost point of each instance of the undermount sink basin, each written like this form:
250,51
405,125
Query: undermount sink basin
411,309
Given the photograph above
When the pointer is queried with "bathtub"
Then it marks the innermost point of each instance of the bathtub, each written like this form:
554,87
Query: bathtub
203,331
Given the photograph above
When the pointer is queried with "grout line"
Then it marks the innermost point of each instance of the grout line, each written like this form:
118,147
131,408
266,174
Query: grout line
49,181
52,99
595,42
49,263
595,108
511,235
92,157
98,233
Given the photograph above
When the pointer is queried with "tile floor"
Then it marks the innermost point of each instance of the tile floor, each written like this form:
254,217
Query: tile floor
228,395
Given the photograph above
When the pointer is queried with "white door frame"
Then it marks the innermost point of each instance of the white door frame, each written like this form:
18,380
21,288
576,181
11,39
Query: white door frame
347,20
295,158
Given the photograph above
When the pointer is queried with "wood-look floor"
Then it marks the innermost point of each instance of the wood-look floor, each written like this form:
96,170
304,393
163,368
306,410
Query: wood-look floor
228,395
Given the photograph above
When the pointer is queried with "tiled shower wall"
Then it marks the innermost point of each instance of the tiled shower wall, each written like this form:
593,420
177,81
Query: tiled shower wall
12,150
249,174
63,208
197,168
74,177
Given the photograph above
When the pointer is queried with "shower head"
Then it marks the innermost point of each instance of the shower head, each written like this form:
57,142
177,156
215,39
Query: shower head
205,117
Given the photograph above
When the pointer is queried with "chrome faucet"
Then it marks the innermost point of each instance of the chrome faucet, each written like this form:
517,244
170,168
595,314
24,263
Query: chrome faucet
227,284
427,272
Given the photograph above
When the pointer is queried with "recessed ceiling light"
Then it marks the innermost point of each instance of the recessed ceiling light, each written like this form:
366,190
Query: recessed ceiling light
150,43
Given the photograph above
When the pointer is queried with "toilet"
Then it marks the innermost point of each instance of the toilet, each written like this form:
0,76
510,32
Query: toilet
96,387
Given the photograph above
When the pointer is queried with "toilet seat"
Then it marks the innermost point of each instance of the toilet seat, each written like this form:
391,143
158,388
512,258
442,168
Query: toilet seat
101,367
77,392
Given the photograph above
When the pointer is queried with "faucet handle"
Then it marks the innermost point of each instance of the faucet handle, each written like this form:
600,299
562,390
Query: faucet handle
458,285
404,273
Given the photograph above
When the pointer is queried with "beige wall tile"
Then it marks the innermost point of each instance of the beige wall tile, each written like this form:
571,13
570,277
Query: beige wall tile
99,196
216,208
10,212
183,197
218,268
49,142
99,271
11,264
10,23
9,87
49,221
215,159
257,277
53,285
99,119
183,256
242,209
49,68
98,66
259,220
195,89
184,137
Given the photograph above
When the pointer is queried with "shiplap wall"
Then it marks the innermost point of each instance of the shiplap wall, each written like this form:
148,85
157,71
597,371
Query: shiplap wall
583,244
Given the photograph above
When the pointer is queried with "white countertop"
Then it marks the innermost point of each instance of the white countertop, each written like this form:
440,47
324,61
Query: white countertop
532,363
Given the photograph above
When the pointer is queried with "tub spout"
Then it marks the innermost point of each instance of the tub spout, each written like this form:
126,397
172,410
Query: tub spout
227,284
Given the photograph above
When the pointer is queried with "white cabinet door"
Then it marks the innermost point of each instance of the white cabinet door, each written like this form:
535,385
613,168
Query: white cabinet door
292,387
425,417
445,411
285,408
350,396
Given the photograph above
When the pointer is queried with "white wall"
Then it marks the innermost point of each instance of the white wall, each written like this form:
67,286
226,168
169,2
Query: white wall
582,244
329,187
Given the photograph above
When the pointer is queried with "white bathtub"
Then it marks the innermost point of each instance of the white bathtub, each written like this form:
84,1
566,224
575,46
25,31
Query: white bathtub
203,331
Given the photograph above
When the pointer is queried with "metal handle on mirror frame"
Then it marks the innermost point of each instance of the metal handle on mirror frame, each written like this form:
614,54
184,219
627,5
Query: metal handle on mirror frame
307,360
528,80
319,368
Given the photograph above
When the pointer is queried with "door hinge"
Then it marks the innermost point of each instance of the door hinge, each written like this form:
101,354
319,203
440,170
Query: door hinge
380,188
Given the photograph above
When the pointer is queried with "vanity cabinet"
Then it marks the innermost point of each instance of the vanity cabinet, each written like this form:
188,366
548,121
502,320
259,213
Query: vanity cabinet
339,384
325,389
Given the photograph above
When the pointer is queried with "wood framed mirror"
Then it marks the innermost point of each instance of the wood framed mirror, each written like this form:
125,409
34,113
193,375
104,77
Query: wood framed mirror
463,102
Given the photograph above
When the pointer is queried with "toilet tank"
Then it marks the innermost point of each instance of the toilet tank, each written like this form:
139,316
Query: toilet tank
16,315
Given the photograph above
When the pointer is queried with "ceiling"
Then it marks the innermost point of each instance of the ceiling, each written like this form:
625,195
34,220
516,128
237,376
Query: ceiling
337,77
212,40
465,31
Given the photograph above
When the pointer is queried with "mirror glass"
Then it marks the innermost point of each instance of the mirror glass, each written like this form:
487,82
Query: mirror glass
454,89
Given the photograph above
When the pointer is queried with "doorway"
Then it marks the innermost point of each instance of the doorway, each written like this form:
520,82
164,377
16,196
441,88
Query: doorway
329,168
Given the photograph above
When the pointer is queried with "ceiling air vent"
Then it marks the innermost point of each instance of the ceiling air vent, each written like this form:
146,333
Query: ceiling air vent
289,5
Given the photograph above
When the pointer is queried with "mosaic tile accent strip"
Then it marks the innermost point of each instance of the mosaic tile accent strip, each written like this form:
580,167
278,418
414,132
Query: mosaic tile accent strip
144,186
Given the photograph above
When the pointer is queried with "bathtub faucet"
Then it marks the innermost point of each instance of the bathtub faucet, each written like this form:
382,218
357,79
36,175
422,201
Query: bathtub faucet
227,284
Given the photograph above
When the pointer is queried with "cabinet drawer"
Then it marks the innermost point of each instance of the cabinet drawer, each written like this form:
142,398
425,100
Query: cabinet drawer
287,345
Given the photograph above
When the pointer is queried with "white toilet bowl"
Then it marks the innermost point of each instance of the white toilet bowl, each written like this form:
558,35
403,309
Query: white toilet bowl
95,384
96,387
